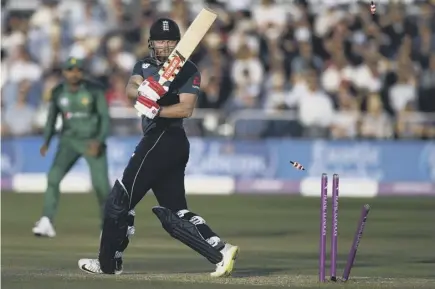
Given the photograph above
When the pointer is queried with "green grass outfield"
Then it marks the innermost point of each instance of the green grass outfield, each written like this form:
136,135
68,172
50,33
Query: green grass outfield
278,236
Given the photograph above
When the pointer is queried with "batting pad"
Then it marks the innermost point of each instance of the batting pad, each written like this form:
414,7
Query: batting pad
187,233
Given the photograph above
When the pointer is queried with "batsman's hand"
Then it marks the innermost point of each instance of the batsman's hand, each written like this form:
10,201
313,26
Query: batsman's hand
151,89
147,107
43,150
94,148
149,92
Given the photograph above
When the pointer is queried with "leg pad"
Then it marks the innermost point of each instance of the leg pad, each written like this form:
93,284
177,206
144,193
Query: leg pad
187,233
115,227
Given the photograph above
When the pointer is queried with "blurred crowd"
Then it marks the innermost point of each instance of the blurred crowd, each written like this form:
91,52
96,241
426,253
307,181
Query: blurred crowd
269,68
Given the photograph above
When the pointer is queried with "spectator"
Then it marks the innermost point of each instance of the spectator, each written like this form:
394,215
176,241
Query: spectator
424,43
241,39
20,68
337,72
403,92
315,107
367,75
116,94
245,95
83,45
23,68
276,94
210,98
118,58
245,98
41,113
376,124
267,15
426,101
345,122
409,123
325,22
19,117
44,42
14,37
306,60
90,16
247,69
45,16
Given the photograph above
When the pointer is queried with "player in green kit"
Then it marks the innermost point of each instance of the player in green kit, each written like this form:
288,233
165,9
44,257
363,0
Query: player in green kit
85,127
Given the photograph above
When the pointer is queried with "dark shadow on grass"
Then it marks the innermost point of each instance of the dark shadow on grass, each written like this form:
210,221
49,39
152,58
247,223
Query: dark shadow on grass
425,261
264,233
237,273
255,272
143,268
167,272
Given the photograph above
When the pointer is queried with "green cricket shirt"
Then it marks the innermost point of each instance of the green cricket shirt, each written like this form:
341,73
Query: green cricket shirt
85,114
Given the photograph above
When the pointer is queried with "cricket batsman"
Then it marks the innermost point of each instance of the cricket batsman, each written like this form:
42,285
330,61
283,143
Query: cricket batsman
85,126
159,163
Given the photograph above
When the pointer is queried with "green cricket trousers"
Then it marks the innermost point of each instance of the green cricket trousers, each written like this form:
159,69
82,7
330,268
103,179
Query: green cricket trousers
68,153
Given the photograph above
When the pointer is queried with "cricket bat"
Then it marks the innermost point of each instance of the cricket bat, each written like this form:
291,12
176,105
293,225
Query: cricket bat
187,44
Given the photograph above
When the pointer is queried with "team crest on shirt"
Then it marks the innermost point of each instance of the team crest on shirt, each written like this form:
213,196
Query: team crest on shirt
85,101
145,65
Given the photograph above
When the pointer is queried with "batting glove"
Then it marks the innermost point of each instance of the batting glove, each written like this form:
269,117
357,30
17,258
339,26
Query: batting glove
149,92
147,107
151,89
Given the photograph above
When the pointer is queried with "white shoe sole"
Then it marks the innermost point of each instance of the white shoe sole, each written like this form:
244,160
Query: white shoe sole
39,234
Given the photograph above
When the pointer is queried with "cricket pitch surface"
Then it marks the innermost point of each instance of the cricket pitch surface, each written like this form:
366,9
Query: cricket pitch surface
278,237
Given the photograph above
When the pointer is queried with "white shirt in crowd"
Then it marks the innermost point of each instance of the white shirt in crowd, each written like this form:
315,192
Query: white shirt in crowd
237,39
275,14
333,76
233,6
24,70
254,68
400,94
325,21
363,78
315,107
19,119
274,98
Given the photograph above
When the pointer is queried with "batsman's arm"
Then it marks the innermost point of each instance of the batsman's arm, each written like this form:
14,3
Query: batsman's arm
53,111
135,80
103,112
188,96
180,110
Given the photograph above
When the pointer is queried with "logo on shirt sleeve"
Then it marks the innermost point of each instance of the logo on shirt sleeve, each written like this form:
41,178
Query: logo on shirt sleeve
196,82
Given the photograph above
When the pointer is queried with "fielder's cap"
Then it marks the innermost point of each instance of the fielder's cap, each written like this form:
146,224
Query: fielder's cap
73,62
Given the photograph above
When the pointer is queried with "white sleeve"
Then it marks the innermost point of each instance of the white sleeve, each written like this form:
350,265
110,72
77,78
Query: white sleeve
256,71
292,98
236,72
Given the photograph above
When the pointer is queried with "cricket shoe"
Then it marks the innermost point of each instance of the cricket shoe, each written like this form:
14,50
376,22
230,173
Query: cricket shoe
229,256
44,228
92,266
